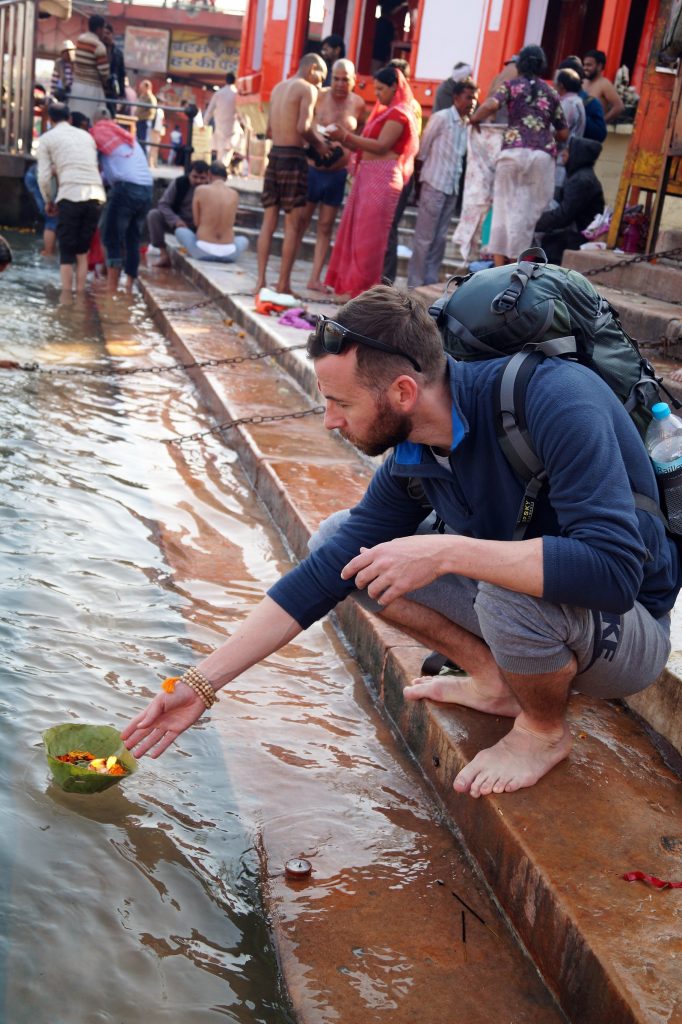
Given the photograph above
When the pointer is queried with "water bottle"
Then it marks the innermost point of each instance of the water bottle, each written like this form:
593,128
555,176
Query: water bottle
664,444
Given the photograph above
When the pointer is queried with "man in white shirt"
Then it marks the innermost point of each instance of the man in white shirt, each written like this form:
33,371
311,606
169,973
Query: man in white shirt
441,153
69,154
223,110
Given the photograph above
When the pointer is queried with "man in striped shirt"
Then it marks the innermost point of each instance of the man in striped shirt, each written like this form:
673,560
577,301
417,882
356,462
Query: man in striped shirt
90,70
442,150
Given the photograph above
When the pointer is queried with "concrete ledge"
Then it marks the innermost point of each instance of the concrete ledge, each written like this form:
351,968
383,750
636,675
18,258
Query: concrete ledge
553,854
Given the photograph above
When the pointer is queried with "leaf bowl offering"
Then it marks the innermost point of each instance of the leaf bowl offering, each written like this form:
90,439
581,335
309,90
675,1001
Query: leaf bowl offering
87,758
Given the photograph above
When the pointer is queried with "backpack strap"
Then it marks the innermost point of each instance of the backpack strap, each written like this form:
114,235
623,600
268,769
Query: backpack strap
512,432
515,440
529,264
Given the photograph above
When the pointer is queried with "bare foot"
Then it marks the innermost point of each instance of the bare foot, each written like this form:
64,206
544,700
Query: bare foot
317,286
163,261
519,760
676,375
494,699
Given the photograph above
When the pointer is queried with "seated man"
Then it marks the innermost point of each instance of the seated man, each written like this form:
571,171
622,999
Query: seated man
214,208
582,198
174,209
583,603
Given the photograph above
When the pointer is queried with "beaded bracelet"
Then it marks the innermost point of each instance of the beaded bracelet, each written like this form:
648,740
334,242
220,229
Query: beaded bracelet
197,682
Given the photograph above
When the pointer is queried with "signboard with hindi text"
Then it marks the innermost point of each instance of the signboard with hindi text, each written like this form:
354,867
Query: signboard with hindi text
194,53
146,49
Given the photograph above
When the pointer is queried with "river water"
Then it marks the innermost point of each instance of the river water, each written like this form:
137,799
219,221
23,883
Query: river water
139,904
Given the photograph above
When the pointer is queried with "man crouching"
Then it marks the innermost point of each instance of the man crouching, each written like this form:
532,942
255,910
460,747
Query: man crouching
582,604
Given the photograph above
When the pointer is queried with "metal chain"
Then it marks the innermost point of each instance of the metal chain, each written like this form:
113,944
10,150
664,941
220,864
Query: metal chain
317,410
644,258
76,371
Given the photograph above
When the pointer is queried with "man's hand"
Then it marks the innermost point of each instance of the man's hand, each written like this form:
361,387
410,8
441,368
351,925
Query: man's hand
51,209
162,721
397,567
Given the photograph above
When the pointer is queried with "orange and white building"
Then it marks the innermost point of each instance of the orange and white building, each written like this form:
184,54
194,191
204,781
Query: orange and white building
433,35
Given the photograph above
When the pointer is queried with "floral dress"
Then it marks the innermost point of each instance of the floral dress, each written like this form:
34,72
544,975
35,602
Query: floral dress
531,118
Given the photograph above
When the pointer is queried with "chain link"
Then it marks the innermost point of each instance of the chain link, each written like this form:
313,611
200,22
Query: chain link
317,410
643,258
112,371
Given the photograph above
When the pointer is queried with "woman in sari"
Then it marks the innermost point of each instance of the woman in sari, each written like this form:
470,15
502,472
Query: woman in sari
384,161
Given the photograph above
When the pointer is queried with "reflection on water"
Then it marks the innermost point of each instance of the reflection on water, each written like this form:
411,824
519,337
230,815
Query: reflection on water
142,902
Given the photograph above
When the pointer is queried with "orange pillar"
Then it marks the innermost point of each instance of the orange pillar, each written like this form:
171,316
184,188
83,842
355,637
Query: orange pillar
612,29
355,32
501,43
646,42
246,49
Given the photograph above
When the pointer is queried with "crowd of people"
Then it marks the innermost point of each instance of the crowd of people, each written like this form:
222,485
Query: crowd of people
533,163
530,167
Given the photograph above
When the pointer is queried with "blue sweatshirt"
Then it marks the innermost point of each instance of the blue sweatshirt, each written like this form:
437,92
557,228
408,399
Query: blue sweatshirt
599,552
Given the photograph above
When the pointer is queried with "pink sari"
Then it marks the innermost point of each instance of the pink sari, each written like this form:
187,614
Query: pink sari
357,258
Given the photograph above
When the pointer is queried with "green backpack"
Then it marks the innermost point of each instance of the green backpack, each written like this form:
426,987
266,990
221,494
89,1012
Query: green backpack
530,310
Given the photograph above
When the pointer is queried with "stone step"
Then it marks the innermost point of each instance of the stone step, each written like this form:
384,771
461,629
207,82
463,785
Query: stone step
653,322
552,855
654,280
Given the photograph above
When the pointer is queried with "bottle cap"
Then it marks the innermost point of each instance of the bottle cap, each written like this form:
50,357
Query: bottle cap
660,411
297,868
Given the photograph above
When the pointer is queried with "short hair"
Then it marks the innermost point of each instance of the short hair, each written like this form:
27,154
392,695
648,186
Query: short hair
218,170
597,55
347,65
462,85
230,78
200,166
569,79
532,61
401,64
394,317
387,76
108,25
80,120
58,112
574,63
308,59
335,41
95,22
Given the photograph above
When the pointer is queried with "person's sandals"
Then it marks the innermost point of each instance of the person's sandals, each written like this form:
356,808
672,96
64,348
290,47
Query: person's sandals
436,664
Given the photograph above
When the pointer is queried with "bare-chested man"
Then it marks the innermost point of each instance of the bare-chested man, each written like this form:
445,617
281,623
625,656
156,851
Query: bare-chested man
596,84
337,105
214,208
285,185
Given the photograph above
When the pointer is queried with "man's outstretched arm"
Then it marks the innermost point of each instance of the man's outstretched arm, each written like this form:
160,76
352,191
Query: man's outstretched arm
265,630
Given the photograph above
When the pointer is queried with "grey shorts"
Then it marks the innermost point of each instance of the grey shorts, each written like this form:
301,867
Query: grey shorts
616,654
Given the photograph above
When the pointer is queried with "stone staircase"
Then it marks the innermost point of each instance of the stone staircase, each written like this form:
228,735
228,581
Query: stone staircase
250,216
553,856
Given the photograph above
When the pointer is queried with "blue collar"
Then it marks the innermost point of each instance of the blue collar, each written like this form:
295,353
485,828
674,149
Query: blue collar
409,453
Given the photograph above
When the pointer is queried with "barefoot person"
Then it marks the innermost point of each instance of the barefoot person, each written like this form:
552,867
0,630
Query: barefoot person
339,106
285,185
584,605
214,209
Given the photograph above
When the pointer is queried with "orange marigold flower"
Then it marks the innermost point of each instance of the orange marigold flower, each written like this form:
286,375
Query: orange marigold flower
169,684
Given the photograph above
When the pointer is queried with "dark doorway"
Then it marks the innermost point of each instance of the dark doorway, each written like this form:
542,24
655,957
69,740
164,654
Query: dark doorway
571,27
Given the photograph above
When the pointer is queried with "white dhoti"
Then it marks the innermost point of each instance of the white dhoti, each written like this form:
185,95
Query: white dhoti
86,98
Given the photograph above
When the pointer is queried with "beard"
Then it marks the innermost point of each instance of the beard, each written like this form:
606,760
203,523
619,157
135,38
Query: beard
388,429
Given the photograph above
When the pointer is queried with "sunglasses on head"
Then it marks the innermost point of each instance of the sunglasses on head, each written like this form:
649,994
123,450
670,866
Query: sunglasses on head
334,337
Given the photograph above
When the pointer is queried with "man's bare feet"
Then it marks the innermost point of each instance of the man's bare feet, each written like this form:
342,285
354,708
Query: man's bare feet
676,375
163,260
494,698
519,760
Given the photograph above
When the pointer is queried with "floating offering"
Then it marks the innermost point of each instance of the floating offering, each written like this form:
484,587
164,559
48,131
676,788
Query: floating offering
87,758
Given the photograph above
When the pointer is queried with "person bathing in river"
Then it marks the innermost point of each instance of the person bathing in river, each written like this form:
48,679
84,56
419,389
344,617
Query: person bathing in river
583,604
